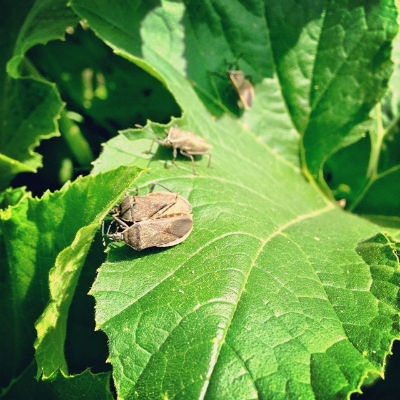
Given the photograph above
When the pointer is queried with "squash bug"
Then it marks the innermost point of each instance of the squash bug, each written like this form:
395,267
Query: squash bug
165,231
157,219
150,206
188,143
243,87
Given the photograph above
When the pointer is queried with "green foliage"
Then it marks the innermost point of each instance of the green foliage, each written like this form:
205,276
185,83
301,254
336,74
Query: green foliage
82,386
376,172
29,105
45,243
278,293
110,90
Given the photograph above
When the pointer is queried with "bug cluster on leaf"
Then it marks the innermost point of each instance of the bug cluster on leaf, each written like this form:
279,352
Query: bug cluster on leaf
157,219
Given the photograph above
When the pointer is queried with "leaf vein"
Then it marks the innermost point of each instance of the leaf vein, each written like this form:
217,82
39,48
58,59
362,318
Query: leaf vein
242,289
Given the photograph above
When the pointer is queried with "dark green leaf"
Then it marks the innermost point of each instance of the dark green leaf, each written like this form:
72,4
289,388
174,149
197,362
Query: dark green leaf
29,106
85,386
110,90
366,174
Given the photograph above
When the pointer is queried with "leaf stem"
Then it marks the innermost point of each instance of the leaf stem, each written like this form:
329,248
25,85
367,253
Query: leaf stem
377,144
76,142
376,139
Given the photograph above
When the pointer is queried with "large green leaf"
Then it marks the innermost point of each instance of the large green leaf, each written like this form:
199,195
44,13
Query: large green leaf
275,294
267,295
29,106
41,238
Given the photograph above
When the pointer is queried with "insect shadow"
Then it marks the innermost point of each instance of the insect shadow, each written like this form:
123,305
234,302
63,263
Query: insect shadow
124,253
162,153
157,152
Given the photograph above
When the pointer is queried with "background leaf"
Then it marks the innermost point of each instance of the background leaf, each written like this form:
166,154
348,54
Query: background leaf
38,234
29,106
369,183
107,89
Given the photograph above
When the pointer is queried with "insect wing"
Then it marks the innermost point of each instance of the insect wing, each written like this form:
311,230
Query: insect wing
179,227
181,205
162,232
195,145
188,141
139,208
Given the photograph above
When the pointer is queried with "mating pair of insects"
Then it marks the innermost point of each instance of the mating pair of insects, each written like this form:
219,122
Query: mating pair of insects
157,219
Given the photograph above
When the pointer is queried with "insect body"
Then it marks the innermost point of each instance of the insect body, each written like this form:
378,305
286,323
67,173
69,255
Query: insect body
152,205
243,87
188,143
168,230
159,219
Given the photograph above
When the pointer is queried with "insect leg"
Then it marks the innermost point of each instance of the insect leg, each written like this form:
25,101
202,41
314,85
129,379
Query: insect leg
191,157
109,228
209,160
164,208
151,147
174,154
152,143
102,234
106,234
154,184
121,223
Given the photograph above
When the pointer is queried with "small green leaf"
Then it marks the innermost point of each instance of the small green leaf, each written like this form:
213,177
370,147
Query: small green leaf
46,236
82,386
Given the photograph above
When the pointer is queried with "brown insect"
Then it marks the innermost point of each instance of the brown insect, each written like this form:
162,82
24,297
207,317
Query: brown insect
188,143
165,231
159,219
243,87
152,205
